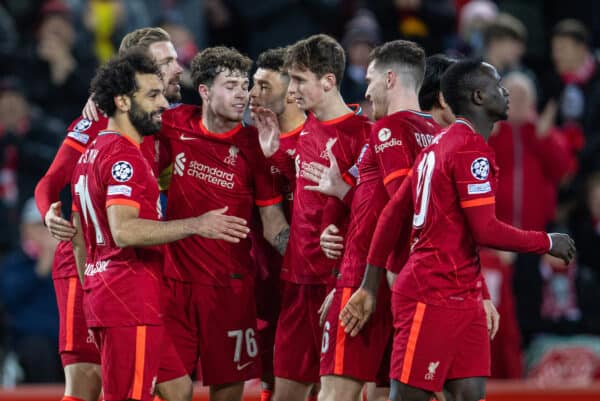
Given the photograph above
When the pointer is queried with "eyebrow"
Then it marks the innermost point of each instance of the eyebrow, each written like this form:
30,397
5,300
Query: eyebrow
153,92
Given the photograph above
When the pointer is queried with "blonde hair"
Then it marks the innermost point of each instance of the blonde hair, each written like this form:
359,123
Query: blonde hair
143,38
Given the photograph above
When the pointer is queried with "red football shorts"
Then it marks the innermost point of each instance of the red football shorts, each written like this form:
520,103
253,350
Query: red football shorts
433,343
75,343
267,295
298,335
130,359
361,357
217,325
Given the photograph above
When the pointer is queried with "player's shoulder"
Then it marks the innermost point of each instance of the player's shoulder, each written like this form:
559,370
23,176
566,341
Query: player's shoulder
84,130
182,115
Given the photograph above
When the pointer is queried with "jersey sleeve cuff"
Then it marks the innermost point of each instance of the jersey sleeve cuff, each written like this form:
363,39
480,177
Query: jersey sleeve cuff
122,202
269,202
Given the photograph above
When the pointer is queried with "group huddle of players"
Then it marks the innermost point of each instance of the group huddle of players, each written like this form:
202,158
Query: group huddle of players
314,249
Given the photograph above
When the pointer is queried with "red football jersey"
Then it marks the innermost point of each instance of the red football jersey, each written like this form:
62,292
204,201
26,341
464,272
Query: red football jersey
122,285
394,143
211,171
457,171
80,133
304,262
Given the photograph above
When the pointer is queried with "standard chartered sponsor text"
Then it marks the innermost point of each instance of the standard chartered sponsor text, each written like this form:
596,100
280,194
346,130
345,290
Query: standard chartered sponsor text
212,175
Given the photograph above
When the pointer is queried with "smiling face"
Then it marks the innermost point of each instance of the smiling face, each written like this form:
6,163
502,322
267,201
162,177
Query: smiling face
165,56
147,104
269,90
227,97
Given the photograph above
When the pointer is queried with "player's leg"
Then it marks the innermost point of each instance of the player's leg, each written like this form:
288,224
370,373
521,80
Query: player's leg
467,389
376,393
339,388
83,381
226,392
286,389
78,352
179,389
403,392
298,341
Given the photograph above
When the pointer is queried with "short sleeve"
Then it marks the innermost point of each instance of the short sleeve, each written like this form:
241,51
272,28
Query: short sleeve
392,150
81,132
474,169
127,176
267,188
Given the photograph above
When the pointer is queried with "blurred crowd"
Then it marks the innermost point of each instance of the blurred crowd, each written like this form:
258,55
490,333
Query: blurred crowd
548,150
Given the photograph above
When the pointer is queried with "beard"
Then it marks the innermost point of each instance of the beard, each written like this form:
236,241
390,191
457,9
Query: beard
143,121
175,96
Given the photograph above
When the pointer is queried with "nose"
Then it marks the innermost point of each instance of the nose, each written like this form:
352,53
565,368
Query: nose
504,91
178,68
253,91
163,103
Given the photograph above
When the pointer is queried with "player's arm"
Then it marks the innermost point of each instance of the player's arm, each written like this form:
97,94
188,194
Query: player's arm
48,189
128,229
393,229
276,229
78,246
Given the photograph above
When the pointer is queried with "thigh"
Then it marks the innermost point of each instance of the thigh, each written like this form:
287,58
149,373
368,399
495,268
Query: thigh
229,349
129,361
473,356
467,389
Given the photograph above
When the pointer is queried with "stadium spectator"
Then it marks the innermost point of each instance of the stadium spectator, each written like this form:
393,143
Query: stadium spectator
504,43
575,85
52,64
27,292
28,141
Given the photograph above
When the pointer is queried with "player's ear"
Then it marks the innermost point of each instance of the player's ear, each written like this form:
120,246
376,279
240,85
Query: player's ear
477,97
391,78
328,81
123,103
203,91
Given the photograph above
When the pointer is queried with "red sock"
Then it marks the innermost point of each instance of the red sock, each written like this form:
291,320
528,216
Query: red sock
70,398
157,398
266,394
312,397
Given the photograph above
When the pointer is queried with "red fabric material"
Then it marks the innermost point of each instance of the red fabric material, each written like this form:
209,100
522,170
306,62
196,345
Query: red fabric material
531,169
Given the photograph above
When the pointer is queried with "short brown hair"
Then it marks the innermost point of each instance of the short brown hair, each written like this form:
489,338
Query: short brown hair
574,29
143,38
272,59
402,55
505,26
320,54
207,64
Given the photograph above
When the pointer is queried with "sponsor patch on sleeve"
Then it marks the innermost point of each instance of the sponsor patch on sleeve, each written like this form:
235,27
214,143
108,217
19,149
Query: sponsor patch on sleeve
79,137
124,190
477,189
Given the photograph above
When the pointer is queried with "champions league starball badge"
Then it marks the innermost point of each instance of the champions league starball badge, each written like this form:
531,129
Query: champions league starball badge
122,171
480,168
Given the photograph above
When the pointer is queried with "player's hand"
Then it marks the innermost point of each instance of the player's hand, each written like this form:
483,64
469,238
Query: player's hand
563,247
90,110
492,317
59,227
332,245
328,179
217,225
324,309
357,311
267,125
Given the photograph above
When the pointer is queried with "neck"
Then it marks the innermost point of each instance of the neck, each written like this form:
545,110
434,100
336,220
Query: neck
439,116
121,123
291,118
407,100
215,123
481,123
333,106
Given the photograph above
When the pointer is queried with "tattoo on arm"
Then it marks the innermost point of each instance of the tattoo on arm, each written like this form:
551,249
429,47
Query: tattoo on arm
281,240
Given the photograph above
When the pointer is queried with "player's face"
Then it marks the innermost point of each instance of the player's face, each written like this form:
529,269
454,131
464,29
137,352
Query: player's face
306,87
148,104
228,95
376,93
269,90
496,96
165,57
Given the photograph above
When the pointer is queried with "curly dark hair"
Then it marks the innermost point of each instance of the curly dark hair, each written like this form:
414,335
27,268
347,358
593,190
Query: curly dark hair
321,54
459,82
207,64
402,55
118,77
272,59
435,66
